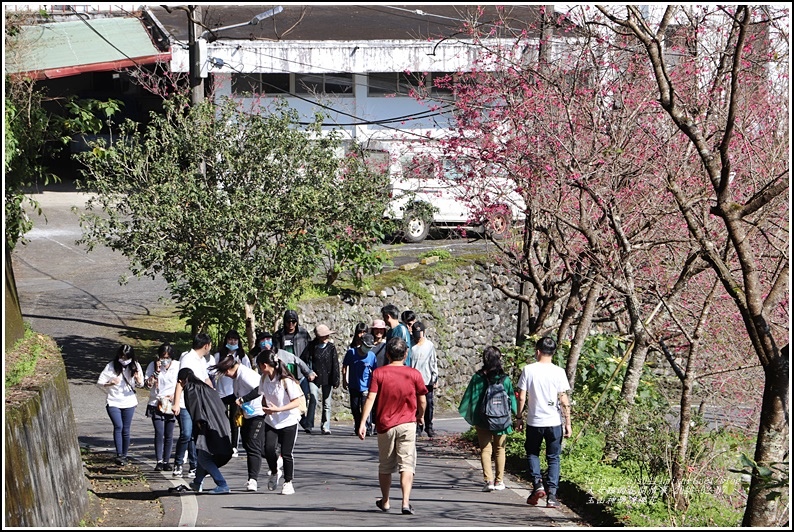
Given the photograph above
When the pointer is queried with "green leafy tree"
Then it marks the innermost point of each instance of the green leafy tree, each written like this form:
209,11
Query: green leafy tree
233,209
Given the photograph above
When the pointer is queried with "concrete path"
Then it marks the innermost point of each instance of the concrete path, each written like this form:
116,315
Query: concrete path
75,297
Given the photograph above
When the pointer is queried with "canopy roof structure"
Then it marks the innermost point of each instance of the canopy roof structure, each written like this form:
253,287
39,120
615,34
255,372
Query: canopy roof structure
60,49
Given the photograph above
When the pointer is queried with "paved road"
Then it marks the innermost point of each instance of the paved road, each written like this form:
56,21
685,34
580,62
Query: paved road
75,298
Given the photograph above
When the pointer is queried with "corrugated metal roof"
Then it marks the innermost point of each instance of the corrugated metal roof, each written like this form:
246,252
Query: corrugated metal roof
59,49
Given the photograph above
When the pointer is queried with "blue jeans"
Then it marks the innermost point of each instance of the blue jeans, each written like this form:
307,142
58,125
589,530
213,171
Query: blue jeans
185,440
163,434
314,398
206,465
122,422
553,438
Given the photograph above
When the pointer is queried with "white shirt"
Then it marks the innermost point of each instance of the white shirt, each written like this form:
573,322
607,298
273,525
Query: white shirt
245,381
543,383
121,395
191,359
166,380
279,393
225,385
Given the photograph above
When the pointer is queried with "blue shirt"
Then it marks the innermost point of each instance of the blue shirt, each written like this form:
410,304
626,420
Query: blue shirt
360,369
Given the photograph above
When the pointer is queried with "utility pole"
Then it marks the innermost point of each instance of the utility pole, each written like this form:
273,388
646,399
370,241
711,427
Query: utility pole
194,69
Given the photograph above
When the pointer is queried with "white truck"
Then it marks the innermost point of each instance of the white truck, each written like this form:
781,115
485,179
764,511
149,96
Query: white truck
426,192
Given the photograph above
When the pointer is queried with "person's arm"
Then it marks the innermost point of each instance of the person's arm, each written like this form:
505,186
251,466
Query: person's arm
362,427
522,399
433,367
344,375
175,407
565,408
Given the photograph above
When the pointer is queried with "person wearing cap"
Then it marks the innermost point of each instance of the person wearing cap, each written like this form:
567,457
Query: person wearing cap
291,337
425,360
357,370
378,331
320,355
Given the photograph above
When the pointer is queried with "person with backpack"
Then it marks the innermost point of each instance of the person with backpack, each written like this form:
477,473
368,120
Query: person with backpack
543,387
489,404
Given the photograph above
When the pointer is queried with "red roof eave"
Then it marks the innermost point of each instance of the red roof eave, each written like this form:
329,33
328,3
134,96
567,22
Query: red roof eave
105,66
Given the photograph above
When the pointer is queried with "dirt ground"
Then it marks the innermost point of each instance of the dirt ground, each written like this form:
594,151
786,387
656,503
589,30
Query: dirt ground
119,496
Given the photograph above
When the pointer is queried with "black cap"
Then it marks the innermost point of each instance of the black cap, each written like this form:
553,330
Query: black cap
368,341
290,315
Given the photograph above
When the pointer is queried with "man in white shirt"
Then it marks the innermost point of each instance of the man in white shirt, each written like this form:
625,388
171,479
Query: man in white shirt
543,388
195,360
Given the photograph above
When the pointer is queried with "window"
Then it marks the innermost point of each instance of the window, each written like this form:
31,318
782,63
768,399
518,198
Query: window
402,84
250,84
324,84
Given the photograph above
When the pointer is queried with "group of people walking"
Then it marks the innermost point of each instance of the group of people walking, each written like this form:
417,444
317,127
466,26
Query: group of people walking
389,369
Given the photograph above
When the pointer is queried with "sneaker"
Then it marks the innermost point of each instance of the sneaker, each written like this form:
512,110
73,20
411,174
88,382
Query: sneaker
537,494
272,483
192,473
326,432
499,486
287,488
159,467
488,486
121,460
251,484
307,430
551,501
219,490
177,471
168,467
234,452
196,486
431,433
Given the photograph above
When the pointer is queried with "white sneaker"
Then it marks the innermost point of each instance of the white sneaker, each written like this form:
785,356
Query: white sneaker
272,483
234,452
177,472
488,486
287,488
499,486
251,484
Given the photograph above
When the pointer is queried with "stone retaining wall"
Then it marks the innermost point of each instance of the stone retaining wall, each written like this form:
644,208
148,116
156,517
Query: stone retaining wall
45,485
462,312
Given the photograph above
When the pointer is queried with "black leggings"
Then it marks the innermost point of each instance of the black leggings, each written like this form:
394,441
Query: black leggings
253,436
286,439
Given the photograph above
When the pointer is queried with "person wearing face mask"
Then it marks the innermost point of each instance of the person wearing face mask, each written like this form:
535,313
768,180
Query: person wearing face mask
231,346
119,379
299,369
161,381
322,357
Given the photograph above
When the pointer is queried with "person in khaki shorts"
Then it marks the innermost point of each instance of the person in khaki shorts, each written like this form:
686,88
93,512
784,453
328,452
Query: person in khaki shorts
401,394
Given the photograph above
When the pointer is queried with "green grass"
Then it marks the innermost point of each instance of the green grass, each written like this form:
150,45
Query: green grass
26,352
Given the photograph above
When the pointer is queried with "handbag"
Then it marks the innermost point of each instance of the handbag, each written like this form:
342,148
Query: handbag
302,405
164,404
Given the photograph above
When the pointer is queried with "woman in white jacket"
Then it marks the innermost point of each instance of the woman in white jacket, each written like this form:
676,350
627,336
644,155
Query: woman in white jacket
119,379
161,381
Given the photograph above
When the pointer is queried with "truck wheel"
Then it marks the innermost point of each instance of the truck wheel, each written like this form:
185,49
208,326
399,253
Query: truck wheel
415,227
499,224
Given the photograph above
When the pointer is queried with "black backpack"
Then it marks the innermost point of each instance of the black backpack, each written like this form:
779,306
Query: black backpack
495,406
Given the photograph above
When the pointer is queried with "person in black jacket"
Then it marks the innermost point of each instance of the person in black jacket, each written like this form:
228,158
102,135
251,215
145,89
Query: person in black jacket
322,358
210,430
293,338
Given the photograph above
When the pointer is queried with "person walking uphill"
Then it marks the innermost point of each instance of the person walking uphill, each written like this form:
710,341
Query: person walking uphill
491,443
400,392
543,387
424,359
321,357
119,379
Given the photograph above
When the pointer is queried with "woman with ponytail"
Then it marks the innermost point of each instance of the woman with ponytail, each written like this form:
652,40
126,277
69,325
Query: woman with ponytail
281,397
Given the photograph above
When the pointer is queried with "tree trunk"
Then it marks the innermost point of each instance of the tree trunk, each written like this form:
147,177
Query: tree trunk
771,447
250,325
13,324
582,331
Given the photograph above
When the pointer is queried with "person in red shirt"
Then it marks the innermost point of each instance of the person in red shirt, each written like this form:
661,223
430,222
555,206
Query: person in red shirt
401,394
